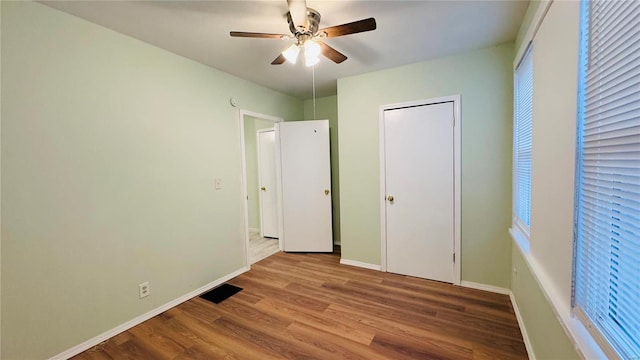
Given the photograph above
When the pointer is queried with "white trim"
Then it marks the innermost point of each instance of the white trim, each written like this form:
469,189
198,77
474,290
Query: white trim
505,291
584,344
254,230
521,239
144,317
243,166
523,329
383,195
275,251
485,287
456,99
359,264
538,17
281,238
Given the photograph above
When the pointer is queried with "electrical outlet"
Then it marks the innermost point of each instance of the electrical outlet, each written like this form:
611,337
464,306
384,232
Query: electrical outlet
218,184
144,289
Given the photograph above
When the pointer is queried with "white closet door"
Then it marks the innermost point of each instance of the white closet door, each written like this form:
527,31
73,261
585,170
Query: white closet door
419,181
305,167
267,183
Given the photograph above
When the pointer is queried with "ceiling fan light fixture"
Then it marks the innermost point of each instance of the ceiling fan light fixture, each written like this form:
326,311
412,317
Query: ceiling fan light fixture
312,61
311,53
304,25
291,53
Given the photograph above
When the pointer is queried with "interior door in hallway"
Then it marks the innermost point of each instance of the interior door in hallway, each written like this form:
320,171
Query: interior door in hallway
267,182
305,169
419,186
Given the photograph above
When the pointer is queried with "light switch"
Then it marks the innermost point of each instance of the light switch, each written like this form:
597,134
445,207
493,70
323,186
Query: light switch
218,184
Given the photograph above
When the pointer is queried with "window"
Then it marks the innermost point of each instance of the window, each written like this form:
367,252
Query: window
523,109
607,228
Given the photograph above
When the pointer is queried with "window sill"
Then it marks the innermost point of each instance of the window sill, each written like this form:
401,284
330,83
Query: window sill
521,240
583,342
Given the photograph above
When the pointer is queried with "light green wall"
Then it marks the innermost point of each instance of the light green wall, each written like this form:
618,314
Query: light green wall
0,195
483,78
547,337
555,87
110,148
251,126
327,108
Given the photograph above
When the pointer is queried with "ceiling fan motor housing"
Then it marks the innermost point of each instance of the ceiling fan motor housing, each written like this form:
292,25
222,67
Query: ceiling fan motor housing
313,19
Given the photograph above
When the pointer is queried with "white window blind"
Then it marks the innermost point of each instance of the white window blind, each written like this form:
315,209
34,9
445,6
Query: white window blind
523,114
607,266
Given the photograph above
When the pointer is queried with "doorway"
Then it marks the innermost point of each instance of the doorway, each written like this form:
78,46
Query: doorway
258,167
420,188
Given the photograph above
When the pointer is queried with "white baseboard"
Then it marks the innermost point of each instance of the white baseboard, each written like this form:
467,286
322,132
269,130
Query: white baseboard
523,329
254,230
144,317
485,287
359,264
505,291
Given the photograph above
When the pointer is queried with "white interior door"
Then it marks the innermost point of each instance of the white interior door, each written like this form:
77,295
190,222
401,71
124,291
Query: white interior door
267,183
305,169
419,187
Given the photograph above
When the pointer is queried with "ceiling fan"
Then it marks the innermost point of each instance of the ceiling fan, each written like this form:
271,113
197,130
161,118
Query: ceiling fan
304,26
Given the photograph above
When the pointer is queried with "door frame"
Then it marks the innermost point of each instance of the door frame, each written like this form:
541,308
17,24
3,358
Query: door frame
456,177
244,193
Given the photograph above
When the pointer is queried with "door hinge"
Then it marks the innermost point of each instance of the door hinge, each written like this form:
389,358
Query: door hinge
454,257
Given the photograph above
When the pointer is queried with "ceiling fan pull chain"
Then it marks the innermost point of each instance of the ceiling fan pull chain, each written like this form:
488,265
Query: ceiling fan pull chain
313,72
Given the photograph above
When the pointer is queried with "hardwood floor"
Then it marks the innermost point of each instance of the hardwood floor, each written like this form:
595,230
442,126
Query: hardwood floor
308,306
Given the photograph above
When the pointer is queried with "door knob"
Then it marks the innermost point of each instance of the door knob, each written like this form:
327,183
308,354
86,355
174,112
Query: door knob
390,198
326,191
263,188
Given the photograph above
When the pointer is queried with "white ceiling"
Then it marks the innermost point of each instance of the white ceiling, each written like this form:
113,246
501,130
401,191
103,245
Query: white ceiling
408,32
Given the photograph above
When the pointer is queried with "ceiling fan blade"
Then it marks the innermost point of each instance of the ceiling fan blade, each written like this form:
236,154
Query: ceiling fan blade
331,53
298,11
350,28
279,60
257,35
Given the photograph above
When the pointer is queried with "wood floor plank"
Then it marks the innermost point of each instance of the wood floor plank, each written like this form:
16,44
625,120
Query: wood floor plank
291,277
392,299
159,338
436,287
344,298
222,342
381,325
186,333
308,306
320,322
298,269
266,290
250,313
273,341
336,346
400,347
